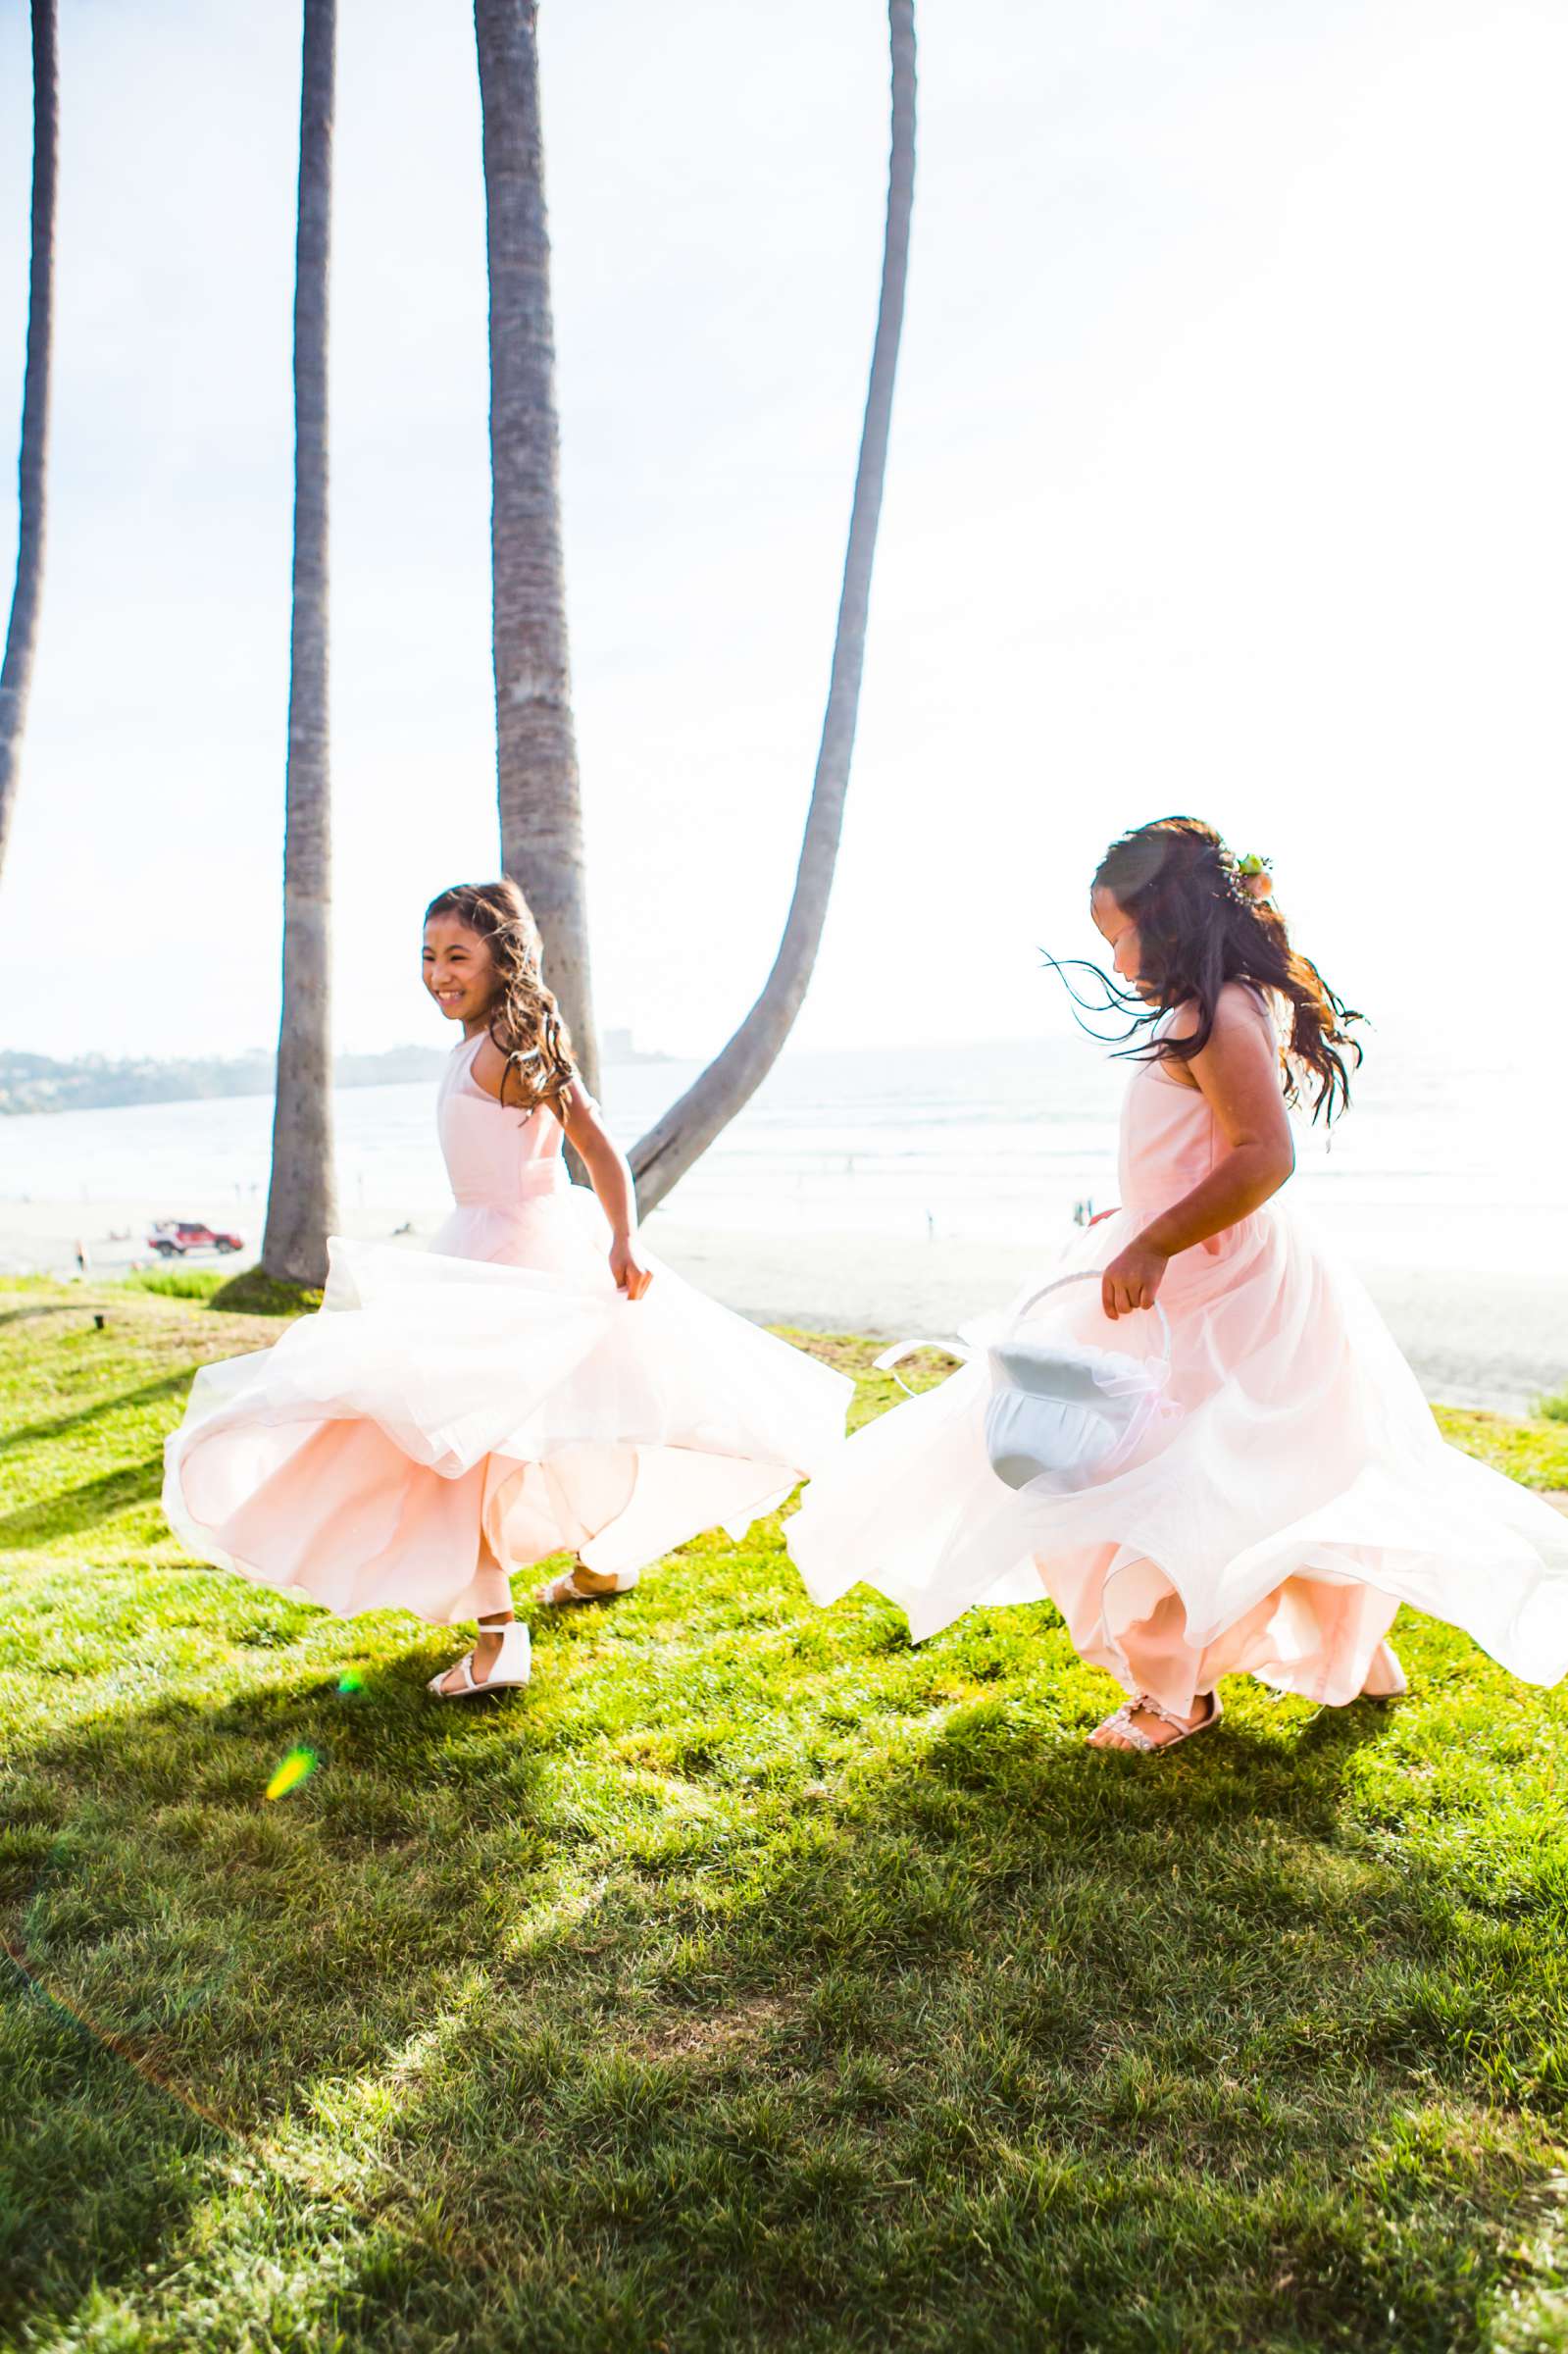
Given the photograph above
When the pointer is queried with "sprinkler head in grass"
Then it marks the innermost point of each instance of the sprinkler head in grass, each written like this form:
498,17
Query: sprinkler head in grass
295,1769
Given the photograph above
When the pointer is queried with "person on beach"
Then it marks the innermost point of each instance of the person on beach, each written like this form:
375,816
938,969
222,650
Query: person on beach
1291,1489
535,1384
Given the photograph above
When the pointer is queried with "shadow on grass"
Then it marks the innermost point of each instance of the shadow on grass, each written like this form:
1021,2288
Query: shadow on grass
60,1425
584,2031
255,1294
70,1511
48,1307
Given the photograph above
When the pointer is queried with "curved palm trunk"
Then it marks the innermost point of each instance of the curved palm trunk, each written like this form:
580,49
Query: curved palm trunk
663,1156
540,803
21,631
301,1202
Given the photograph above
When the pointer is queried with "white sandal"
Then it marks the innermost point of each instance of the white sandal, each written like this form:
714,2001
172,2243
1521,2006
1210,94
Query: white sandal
512,1666
1122,1722
558,1592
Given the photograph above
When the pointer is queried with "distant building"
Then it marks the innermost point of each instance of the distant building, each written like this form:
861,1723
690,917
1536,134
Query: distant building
616,1046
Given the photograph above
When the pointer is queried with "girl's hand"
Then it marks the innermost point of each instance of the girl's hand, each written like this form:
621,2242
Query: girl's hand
1132,1279
630,1275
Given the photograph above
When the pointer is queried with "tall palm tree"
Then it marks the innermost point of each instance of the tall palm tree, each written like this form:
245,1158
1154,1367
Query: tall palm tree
540,800
301,1202
21,631
663,1156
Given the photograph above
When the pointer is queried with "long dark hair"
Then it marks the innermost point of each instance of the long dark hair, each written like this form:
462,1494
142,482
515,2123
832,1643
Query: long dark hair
522,1017
1201,921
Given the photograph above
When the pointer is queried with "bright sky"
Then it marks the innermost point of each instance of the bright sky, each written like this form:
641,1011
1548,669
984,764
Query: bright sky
1227,475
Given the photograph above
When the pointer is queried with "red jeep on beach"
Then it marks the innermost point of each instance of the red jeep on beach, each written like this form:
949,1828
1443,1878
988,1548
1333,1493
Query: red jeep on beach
172,1238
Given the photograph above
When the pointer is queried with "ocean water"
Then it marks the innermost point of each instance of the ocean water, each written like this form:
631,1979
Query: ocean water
1440,1162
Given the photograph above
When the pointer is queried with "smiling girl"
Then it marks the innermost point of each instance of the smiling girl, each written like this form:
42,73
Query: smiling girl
536,1385
1294,1491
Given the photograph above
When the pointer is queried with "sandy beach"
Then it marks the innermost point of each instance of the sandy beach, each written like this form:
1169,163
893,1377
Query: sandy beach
1476,1337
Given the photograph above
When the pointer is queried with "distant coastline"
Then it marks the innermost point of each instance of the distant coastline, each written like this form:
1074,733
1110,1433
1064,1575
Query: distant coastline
34,1083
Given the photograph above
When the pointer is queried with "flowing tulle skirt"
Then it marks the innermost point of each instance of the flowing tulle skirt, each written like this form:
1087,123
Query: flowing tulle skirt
1292,1495
452,1415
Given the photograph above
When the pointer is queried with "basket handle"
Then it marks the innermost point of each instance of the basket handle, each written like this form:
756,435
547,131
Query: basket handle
1092,1275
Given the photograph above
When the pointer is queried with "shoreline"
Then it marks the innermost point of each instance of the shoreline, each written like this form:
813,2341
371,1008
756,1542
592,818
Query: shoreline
1473,1336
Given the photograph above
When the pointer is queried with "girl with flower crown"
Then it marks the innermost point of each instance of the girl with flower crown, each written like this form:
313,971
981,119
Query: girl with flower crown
1287,1489
537,1383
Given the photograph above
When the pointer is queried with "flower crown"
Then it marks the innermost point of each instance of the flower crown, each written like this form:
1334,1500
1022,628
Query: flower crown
1254,874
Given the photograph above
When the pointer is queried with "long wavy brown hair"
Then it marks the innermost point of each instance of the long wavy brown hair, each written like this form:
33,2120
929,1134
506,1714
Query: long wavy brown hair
1199,925
522,1017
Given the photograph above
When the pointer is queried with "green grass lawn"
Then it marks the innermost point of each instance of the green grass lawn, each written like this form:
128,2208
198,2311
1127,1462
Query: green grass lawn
756,1981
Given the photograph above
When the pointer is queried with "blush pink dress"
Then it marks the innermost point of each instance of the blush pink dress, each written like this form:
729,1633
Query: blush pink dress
1292,1493
452,1415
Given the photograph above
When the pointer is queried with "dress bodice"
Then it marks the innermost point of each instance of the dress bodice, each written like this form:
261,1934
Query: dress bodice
1170,1139
495,1156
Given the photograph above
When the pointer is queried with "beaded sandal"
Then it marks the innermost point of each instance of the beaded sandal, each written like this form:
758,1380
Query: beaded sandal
1135,1735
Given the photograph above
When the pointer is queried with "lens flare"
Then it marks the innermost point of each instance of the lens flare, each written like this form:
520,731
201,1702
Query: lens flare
350,1680
294,1769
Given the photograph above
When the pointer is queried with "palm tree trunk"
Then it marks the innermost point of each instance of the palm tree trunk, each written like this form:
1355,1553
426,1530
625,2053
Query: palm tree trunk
663,1156
540,802
21,631
301,1203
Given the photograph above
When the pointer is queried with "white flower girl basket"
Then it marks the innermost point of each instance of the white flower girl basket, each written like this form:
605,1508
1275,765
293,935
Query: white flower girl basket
1061,1411
1065,1412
